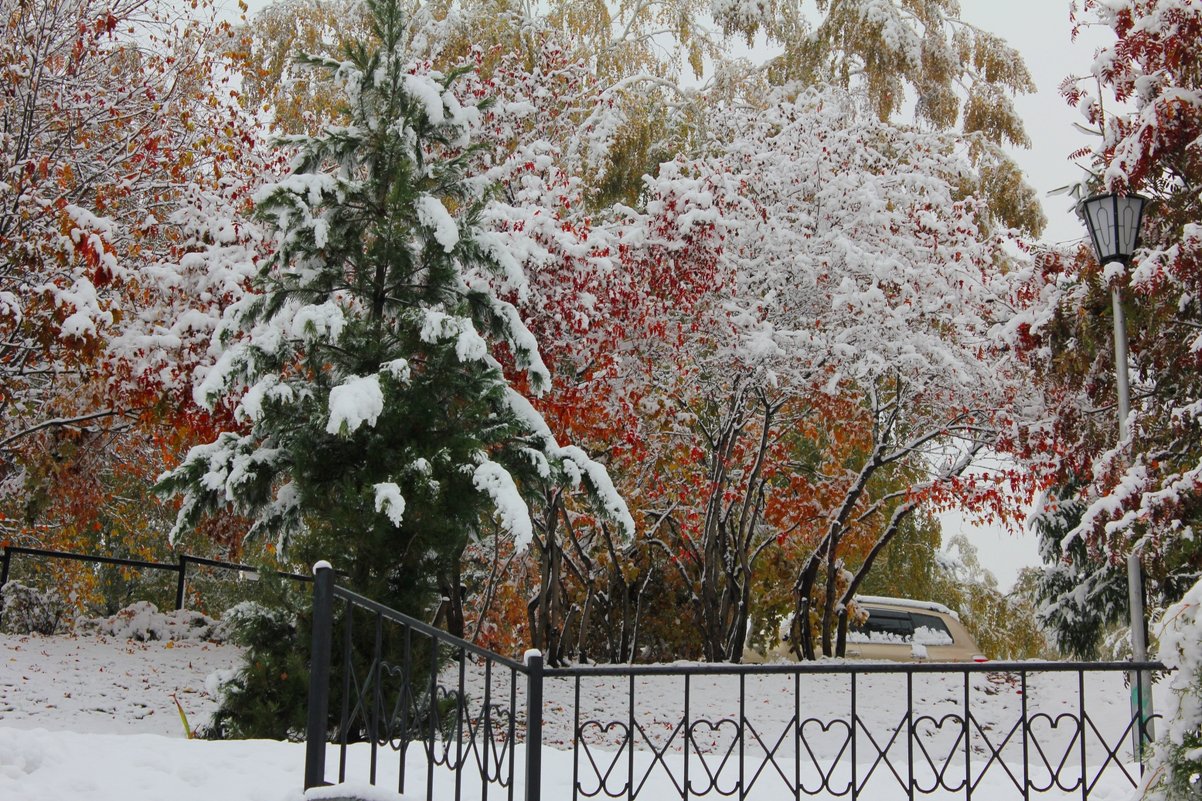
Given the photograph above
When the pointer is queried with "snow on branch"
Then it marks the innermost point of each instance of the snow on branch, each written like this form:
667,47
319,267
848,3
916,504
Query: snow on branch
495,481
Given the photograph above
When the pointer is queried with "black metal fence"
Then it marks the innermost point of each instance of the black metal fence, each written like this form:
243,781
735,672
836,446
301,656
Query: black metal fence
408,688
1005,730
419,700
179,567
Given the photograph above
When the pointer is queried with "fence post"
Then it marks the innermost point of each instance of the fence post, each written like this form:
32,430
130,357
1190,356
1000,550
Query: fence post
534,725
4,578
181,583
319,675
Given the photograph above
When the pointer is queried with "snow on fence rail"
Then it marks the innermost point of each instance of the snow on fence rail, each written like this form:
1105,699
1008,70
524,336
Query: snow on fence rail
444,719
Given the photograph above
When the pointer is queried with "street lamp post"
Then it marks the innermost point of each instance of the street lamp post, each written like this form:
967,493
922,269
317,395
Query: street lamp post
1114,222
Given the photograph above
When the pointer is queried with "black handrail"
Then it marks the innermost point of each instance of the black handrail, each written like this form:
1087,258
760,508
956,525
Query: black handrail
82,557
424,628
842,667
180,567
201,560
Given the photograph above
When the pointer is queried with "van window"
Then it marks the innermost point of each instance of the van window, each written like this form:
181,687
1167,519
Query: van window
930,630
889,626
883,626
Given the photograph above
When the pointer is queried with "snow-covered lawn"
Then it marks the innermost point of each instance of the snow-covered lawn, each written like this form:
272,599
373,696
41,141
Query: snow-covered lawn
98,684
92,717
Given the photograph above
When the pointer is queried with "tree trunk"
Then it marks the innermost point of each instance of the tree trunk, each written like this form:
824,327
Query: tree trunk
543,609
803,590
833,566
899,516
450,585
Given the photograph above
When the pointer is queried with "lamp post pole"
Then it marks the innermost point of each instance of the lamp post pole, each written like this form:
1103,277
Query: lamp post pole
1141,693
1114,222
1120,362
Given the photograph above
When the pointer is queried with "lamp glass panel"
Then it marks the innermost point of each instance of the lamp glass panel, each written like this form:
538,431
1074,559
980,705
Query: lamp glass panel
1129,210
1099,216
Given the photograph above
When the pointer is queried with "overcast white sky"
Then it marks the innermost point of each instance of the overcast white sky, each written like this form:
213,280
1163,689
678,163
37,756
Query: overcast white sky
1040,31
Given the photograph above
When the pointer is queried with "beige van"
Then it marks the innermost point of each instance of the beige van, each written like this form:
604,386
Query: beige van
902,630
896,630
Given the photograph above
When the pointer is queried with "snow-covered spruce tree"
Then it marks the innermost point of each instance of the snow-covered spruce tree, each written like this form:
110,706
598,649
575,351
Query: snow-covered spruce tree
377,428
1081,593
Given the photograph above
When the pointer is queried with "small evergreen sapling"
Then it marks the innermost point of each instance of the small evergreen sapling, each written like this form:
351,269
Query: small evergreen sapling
265,697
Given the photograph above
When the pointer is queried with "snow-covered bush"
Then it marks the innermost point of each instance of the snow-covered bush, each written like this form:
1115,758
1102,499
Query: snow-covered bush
244,617
266,696
143,621
1176,772
28,610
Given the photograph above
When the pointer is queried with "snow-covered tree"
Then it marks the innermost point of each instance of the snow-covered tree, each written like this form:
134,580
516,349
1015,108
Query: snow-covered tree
116,118
843,371
374,417
1144,493
1175,773
1081,592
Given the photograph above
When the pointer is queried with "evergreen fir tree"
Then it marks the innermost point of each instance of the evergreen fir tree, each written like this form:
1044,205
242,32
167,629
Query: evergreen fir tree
1082,587
266,698
378,430
1081,594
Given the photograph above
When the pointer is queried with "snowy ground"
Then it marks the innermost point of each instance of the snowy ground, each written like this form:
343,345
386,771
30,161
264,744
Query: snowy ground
97,684
92,717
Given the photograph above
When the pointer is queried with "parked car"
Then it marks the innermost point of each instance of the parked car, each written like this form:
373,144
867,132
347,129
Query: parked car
904,630
898,630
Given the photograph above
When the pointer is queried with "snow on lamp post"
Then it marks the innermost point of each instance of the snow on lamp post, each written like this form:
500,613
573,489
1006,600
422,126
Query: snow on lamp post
1113,222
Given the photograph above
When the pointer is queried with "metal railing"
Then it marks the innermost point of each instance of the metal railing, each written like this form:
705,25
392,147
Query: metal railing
407,688
674,731
906,730
179,567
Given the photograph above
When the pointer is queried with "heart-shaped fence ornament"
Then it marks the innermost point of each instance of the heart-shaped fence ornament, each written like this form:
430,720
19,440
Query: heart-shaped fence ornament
927,729
813,730
396,696
706,740
619,756
1043,732
445,713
